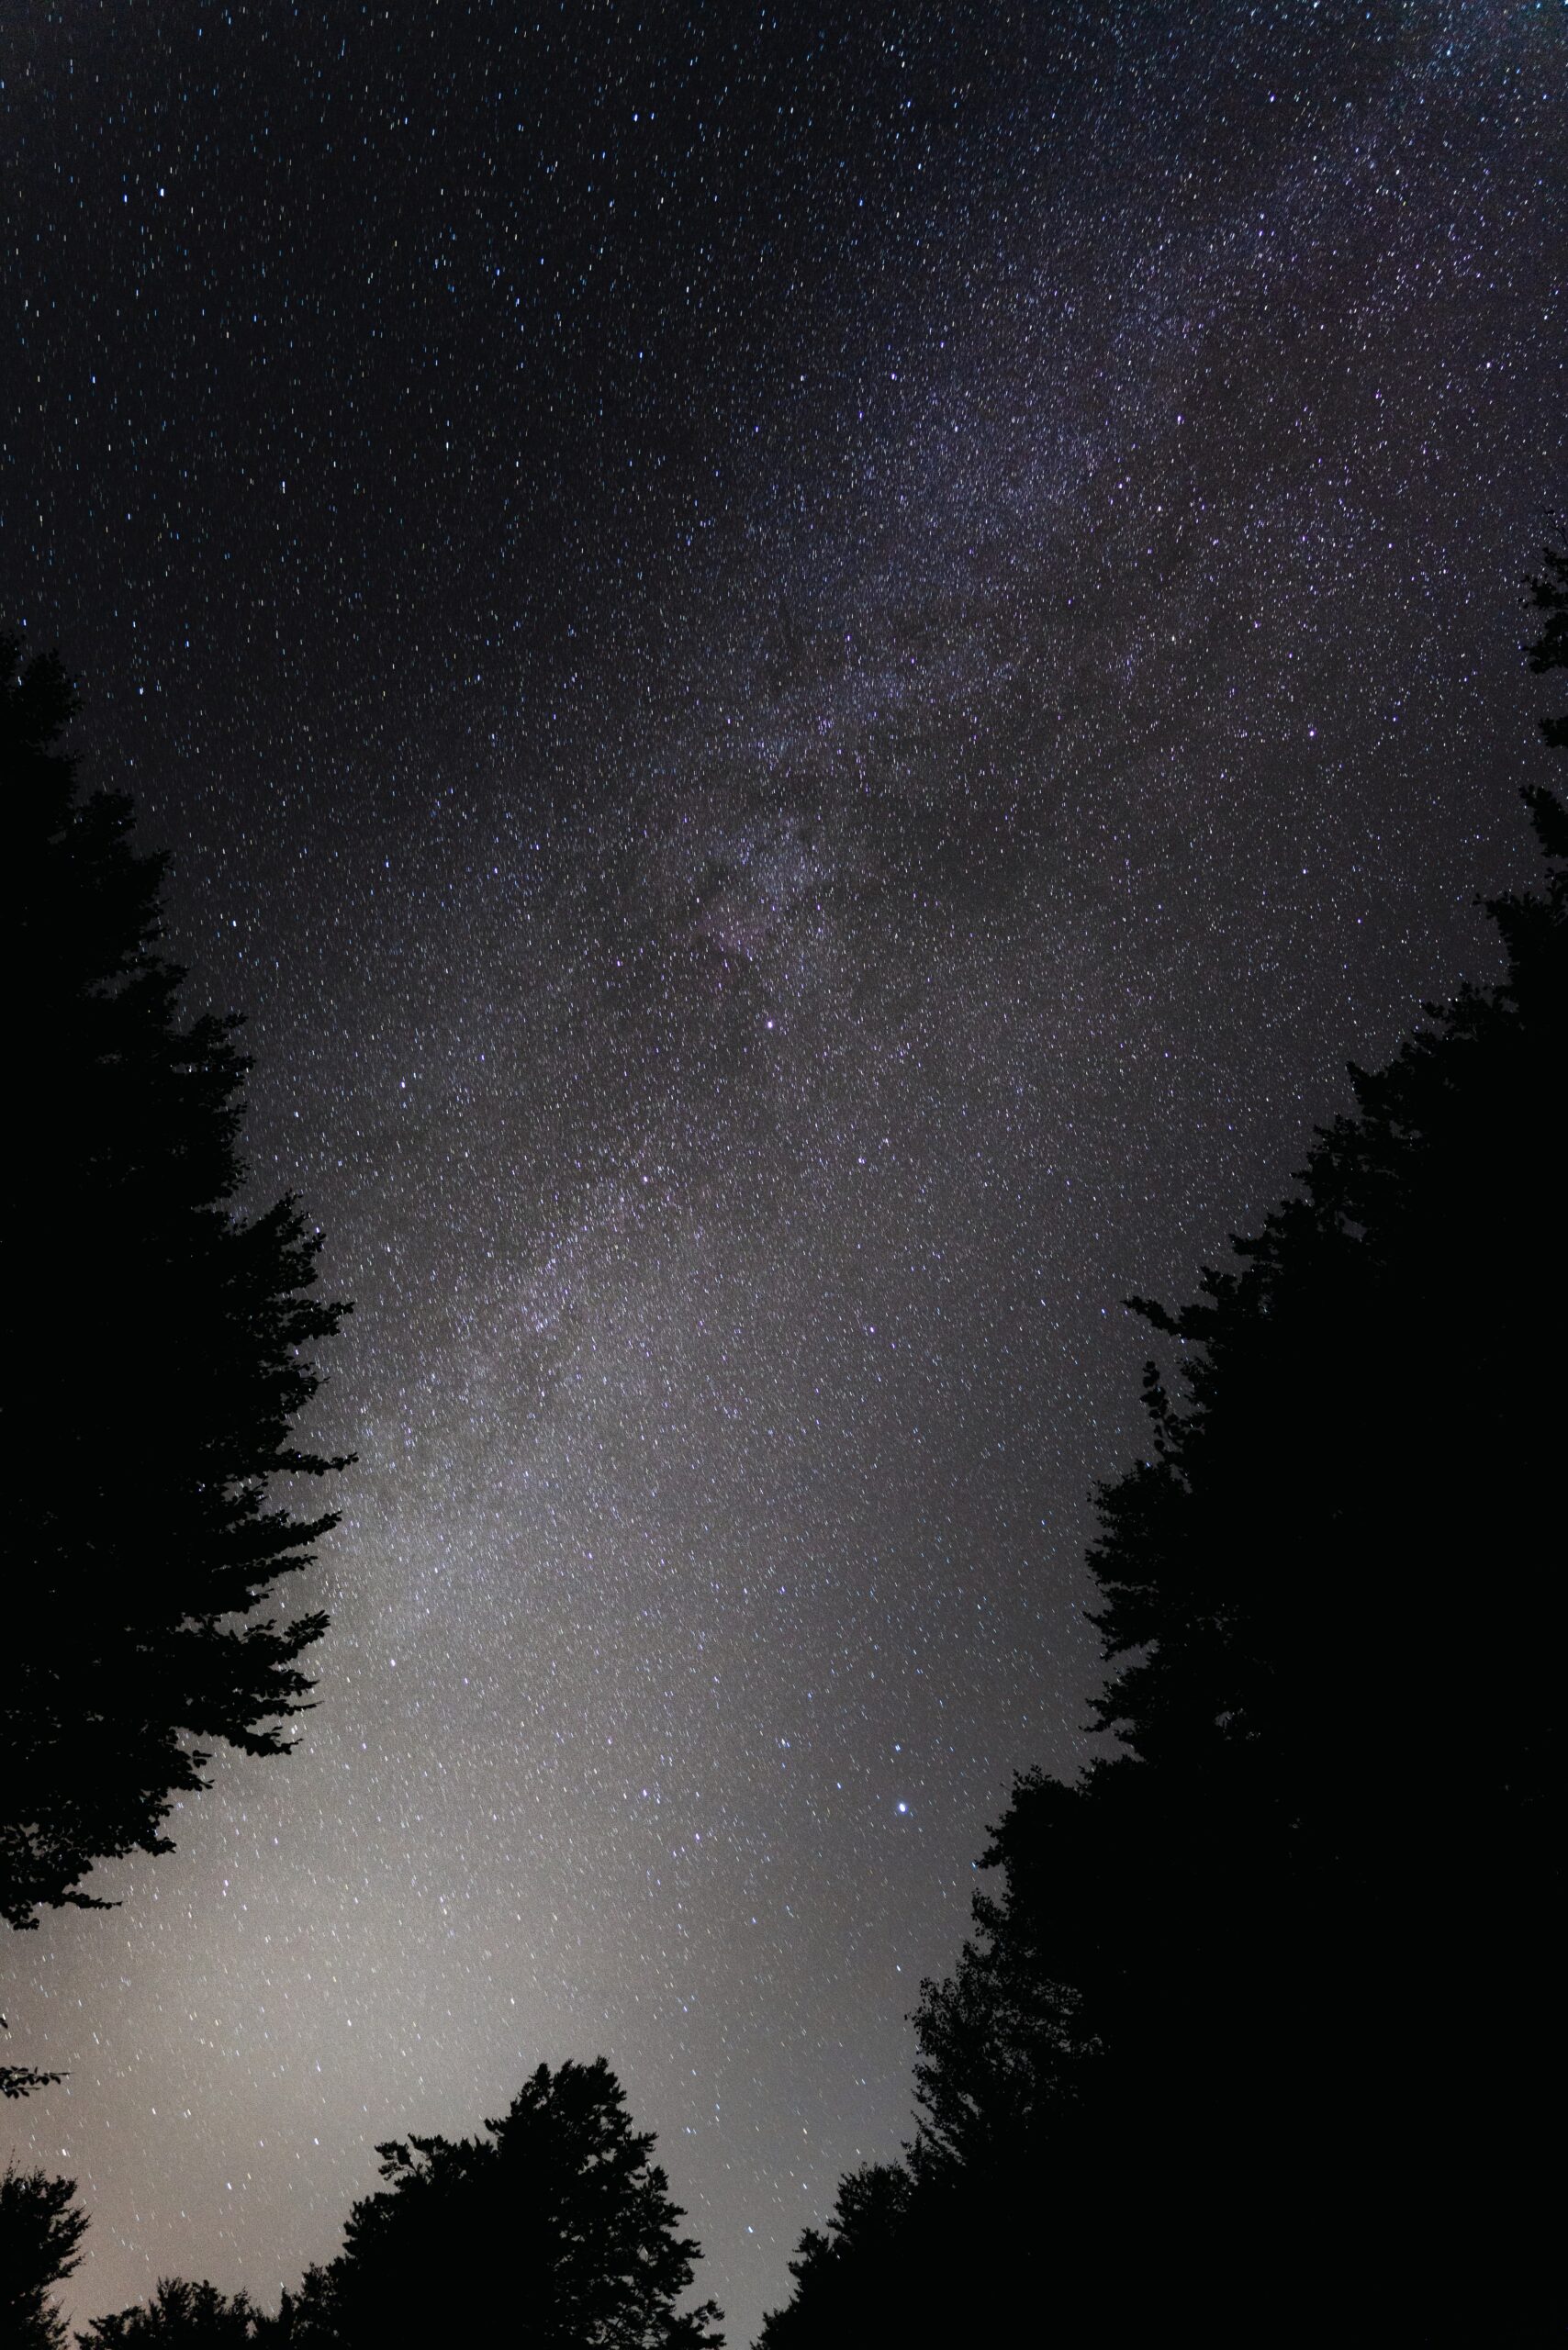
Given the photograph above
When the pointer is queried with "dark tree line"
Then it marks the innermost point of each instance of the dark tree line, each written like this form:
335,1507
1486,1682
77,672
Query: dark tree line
1248,2040
554,2227
165,1337
1251,2040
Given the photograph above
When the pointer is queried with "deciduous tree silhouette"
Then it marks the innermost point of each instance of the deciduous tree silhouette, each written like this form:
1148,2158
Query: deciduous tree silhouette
183,2317
40,2239
163,1352
201,2317
556,2228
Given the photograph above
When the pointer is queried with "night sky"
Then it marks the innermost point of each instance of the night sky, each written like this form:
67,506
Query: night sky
811,672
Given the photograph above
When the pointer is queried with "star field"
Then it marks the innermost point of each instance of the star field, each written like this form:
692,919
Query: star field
810,672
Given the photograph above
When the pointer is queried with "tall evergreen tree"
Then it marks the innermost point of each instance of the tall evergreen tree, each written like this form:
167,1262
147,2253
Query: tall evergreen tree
40,2245
165,1339
852,2277
1254,2026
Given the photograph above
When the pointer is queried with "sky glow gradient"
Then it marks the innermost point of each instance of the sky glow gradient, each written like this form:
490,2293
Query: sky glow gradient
811,673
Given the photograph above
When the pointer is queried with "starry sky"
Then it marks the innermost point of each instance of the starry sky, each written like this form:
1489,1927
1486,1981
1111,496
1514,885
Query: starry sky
811,670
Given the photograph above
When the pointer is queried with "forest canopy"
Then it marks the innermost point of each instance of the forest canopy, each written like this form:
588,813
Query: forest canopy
1249,2031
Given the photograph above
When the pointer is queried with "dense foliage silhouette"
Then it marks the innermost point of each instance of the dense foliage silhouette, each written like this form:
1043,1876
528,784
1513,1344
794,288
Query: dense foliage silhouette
556,2228
166,1356
1253,2026
185,2317
852,2278
40,2237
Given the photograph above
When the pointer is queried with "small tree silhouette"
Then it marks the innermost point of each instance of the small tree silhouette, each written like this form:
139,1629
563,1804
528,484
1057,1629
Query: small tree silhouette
556,2227
850,2275
183,2317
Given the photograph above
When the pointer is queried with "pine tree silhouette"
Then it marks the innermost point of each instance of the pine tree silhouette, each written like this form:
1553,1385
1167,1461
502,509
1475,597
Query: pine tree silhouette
852,2277
163,1357
1253,2026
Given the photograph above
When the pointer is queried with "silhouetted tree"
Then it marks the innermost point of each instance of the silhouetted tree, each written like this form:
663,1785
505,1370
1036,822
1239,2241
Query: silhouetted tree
40,2238
302,2321
201,2317
1005,2049
1322,1580
1262,2002
1549,593
184,2317
556,2228
161,1353
852,2278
